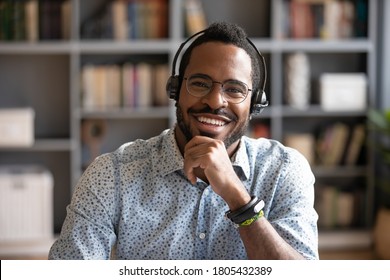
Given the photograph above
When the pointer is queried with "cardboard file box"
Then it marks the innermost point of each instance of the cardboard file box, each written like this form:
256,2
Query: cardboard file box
17,127
26,204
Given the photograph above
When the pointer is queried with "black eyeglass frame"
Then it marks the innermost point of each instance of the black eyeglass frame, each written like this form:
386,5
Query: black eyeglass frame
225,96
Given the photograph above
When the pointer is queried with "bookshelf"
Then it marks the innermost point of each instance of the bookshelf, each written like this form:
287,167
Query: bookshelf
60,117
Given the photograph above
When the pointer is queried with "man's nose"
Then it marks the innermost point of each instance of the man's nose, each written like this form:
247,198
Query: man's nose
215,98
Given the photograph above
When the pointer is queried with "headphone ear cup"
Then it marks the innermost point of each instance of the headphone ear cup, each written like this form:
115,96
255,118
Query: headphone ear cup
172,87
259,102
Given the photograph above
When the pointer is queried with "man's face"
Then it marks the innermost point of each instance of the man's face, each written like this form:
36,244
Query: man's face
212,115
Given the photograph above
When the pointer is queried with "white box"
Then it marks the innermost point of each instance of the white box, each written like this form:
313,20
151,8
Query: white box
26,203
17,127
343,91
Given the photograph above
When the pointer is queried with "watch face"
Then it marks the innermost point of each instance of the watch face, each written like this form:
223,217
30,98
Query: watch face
259,206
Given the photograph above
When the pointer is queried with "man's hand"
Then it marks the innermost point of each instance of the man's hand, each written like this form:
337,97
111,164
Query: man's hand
207,157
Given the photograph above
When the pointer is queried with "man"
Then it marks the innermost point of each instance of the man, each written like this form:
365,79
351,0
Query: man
166,197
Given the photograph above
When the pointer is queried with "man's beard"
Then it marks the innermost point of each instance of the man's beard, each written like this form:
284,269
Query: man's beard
235,135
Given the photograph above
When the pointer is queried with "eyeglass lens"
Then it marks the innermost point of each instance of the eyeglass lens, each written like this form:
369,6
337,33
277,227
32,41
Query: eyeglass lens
199,86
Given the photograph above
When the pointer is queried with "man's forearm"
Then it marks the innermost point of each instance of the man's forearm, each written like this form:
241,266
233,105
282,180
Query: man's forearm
262,241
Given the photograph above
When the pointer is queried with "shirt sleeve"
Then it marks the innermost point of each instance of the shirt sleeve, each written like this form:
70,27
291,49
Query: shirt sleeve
88,231
293,214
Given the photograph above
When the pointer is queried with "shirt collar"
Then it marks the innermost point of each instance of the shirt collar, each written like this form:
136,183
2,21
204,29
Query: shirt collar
172,158
241,160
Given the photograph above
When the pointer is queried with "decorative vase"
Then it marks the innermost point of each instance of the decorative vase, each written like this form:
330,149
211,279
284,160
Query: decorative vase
297,81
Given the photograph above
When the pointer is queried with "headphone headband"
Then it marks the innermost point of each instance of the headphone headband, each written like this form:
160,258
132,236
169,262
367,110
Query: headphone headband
182,45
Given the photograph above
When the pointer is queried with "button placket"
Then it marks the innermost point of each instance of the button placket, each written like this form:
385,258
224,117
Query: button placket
201,230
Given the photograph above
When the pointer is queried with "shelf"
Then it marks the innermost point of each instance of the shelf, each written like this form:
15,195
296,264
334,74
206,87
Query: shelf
141,46
66,47
38,249
344,239
55,47
135,113
166,45
44,145
315,111
329,46
340,171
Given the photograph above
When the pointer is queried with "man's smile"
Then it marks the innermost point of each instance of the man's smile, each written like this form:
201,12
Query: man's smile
206,120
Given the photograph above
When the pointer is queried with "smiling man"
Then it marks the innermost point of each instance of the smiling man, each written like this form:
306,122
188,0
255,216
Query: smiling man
201,190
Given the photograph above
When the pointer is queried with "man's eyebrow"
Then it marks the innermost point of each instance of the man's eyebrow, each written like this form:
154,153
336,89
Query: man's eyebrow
202,75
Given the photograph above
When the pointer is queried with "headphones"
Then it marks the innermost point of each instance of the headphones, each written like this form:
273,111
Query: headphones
259,98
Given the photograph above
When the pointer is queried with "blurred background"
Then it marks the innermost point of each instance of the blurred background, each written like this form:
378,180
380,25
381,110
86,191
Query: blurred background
80,77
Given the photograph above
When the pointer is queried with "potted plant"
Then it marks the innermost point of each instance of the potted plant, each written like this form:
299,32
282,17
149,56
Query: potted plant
379,122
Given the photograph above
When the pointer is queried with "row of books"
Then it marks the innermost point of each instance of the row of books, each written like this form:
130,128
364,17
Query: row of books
124,86
33,20
338,208
333,144
326,19
341,144
337,144
128,19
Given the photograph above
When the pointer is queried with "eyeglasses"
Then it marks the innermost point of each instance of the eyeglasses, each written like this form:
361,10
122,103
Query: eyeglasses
233,91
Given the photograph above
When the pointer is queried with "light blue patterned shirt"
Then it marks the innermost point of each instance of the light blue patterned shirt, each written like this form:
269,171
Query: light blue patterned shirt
138,201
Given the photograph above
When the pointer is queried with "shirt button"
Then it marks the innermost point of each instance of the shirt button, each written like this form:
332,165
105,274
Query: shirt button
202,235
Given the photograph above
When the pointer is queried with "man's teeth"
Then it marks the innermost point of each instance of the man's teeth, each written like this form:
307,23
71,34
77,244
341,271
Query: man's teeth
211,121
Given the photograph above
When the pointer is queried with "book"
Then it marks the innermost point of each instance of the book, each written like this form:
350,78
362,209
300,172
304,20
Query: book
66,19
332,143
32,20
120,20
100,81
5,30
195,16
325,19
160,78
88,87
128,70
345,208
19,22
163,16
50,19
346,20
144,98
356,144
326,206
336,207
301,18
304,143
113,92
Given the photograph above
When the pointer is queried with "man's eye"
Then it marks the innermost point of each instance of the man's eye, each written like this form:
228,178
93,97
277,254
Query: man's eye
200,84
235,90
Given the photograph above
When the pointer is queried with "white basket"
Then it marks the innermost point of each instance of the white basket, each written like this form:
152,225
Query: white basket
26,204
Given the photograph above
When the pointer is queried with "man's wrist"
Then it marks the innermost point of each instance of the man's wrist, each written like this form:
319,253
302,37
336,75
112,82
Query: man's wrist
238,201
